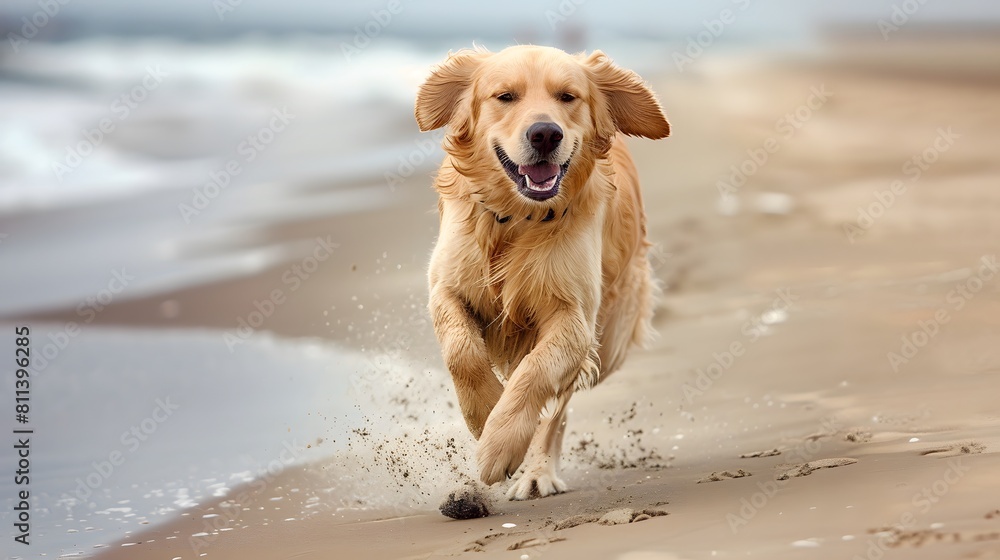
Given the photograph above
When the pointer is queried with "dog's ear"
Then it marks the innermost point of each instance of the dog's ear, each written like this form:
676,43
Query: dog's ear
439,95
631,104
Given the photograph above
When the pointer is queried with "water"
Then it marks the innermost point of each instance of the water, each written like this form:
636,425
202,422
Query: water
133,427
175,112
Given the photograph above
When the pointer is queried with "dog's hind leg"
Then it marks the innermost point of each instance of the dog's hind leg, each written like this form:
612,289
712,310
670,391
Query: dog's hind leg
540,476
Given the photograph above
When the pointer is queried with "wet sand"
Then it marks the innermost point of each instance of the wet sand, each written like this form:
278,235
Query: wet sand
865,350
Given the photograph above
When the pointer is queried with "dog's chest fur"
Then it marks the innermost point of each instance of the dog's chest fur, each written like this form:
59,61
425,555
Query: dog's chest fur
516,278
502,297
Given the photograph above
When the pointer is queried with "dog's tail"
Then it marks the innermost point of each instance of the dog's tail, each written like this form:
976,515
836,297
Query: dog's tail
644,334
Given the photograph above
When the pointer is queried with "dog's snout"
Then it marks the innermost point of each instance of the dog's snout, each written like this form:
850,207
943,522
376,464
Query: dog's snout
545,137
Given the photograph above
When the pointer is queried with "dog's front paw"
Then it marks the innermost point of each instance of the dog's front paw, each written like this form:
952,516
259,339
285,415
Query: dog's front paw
504,444
536,483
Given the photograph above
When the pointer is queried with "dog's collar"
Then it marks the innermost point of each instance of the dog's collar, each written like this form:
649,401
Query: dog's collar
549,216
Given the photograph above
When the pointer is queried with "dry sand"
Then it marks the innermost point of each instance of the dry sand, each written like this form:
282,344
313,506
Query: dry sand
772,374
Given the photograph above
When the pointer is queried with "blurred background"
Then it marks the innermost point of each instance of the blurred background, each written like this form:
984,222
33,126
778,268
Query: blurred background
228,202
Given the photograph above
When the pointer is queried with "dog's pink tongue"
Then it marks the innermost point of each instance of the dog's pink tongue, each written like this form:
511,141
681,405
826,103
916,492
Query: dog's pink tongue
539,172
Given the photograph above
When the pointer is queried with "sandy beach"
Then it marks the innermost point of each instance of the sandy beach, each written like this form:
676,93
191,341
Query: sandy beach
824,382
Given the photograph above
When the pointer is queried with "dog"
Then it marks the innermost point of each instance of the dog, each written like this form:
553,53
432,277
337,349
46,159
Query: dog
540,275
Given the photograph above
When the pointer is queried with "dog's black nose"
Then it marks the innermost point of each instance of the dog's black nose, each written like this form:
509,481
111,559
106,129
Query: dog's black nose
545,137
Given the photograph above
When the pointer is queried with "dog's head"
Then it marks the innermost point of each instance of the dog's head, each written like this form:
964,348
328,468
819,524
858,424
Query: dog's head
528,119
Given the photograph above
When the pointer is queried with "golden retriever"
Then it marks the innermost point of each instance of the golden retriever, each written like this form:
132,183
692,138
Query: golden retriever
540,274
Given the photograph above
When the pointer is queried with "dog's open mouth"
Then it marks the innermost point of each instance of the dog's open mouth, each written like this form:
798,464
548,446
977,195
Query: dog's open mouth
537,181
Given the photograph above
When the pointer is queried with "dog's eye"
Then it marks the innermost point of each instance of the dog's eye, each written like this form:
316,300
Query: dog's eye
566,97
506,97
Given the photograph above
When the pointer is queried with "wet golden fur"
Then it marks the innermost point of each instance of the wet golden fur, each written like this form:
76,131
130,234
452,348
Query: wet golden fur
548,306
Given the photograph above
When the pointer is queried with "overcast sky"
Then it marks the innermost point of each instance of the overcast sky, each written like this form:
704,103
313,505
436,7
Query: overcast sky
463,17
